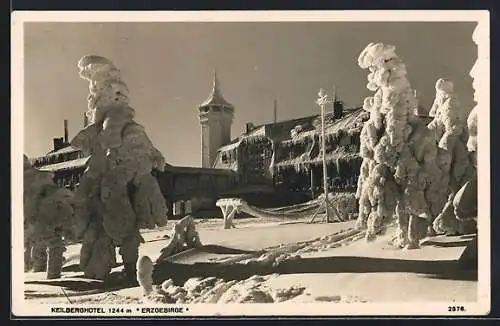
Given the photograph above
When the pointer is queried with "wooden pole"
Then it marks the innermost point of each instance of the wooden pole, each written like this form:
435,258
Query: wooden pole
311,172
325,176
275,111
66,132
334,97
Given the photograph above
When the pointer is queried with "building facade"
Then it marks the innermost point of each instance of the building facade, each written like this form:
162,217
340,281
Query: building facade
269,164
287,154
65,162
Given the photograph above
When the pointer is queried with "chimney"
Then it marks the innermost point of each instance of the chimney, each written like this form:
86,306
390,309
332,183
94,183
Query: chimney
334,97
58,143
249,127
65,131
275,111
338,110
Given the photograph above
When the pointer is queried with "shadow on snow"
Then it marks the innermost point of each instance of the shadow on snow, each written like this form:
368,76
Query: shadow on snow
180,273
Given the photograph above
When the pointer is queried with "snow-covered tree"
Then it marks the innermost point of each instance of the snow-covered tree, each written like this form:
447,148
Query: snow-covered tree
465,202
47,218
117,194
472,119
398,151
472,126
450,128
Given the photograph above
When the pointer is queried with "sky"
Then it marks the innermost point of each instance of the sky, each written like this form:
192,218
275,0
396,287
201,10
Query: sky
169,70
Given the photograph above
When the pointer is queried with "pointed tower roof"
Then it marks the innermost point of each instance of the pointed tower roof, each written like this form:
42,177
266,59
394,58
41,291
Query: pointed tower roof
216,97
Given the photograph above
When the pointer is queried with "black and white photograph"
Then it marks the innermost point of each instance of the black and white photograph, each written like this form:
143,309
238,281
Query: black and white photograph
218,163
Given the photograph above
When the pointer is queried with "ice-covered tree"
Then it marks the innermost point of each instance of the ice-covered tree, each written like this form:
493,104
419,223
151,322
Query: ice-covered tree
398,170
48,214
451,133
465,201
472,125
117,194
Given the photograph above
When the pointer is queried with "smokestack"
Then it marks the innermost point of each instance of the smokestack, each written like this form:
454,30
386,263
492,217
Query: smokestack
338,110
249,127
334,97
275,111
58,143
338,106
66,131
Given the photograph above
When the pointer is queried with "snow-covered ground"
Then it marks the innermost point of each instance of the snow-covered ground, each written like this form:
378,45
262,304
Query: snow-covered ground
302,263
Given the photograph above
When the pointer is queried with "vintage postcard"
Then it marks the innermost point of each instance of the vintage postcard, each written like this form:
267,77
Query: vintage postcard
218,163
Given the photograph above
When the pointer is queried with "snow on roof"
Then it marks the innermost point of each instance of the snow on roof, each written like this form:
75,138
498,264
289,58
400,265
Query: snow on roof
274,130
195,170
280,131
351,122
257,131
230,146
301,161
67,165
65,150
